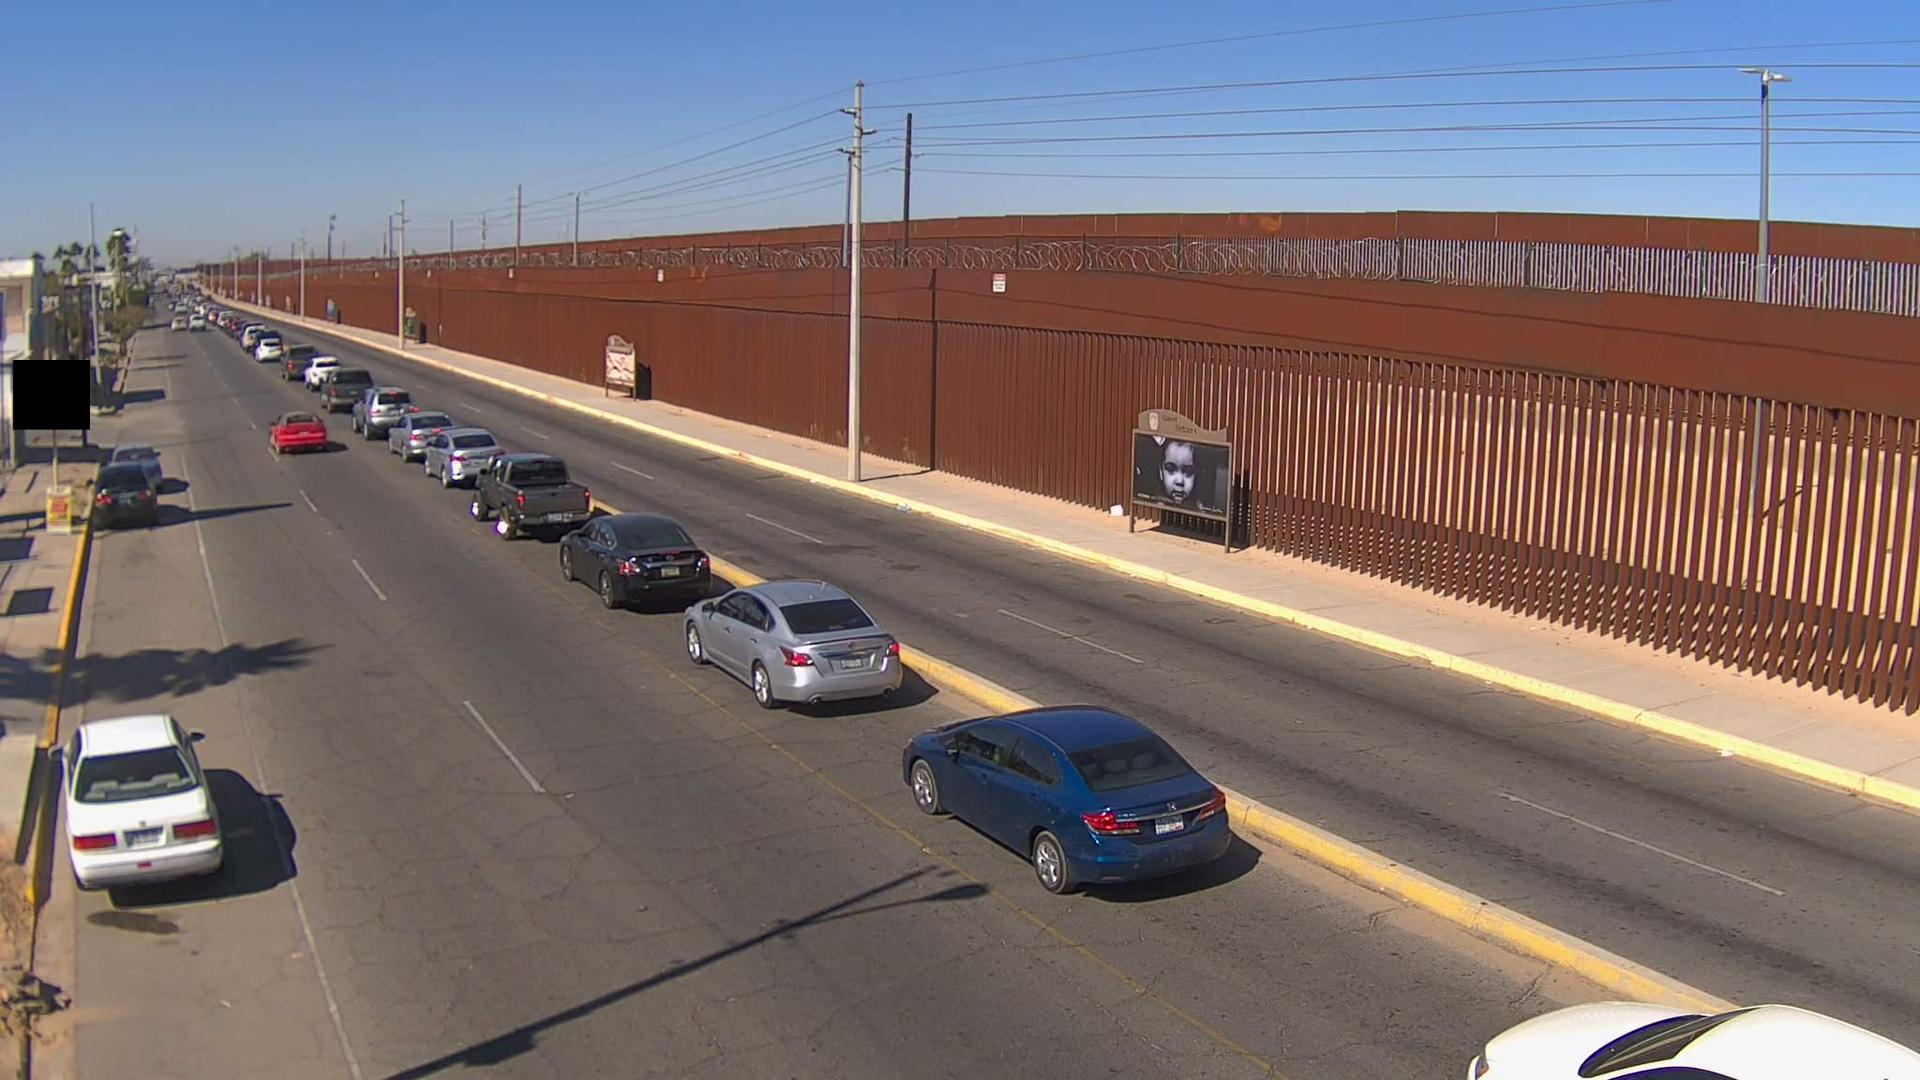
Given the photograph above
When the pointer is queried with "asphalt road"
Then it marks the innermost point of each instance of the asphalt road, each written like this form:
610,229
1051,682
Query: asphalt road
1743,882
518,832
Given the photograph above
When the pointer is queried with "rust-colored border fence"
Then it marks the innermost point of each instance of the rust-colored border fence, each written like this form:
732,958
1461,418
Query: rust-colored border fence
1835,284
1629,509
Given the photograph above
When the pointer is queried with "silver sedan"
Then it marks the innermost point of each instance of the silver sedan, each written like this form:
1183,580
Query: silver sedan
459,455
408,437
793,641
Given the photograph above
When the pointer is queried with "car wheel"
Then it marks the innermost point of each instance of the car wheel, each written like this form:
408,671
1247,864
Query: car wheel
566,563
446,478
926,789
763,687
1050,864
696,649
273,446
476,509
606,591
427,465
507,528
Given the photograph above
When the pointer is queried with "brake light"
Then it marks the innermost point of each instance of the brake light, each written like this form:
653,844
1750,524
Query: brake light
105,498
519,498
630,568
893,648
1106,823
194,830
97,842
795,659
587,493
1215,805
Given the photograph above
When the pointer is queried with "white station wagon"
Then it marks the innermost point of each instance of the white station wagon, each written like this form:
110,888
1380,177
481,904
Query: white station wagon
138,808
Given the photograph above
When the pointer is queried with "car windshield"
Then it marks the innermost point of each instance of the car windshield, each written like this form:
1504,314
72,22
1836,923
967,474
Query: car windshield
1656,1042
539,473
136,453
1128,764
299,418
141,774
825,616
469,442
646,535
122,478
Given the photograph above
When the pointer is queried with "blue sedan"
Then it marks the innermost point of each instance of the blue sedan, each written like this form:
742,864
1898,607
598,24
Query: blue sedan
1090,796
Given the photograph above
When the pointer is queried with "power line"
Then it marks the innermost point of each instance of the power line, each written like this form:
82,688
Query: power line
1410,176
1385,77
1742,144
1374,24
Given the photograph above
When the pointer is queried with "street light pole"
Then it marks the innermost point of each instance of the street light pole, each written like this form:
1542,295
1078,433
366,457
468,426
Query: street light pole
855,164
576,228
400,322
303,276
1763,268
329,241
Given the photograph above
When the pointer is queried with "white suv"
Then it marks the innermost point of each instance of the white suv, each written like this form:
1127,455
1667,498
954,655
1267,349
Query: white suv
317,370
269,348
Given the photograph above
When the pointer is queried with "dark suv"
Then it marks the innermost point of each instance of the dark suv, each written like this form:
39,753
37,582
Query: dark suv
344,388
122,495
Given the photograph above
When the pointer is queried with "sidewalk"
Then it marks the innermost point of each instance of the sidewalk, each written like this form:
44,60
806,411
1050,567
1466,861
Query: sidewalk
1799,731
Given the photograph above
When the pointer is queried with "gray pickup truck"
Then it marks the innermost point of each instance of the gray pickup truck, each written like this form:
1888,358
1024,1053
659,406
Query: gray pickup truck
529,492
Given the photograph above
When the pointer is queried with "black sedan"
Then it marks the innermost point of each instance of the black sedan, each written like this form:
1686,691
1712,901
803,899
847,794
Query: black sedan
123,495
628,556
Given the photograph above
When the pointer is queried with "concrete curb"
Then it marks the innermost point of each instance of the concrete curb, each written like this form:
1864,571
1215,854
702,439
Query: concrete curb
1523,935
43,786
1851,781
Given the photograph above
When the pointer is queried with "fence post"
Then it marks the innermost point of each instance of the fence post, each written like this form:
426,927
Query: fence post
1179,253
946,253
1083,251
1526,281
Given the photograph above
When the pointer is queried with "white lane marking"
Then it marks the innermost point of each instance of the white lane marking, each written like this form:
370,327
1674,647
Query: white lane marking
631,469
308,499
469,406
260,774
364,576
783,528
252,425
535,434
1675,856
1070,636
488,728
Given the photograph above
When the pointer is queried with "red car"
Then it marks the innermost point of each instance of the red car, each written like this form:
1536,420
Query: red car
297,431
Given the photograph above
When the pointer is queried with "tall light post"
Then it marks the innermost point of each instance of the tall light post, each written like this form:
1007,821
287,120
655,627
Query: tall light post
856,163
1763,269
303,275
329,241
400,323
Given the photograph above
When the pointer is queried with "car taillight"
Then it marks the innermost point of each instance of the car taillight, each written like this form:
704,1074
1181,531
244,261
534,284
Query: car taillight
893,648
795,659
97,842
194,830
587,493
105,498
630,568
519,498
1106,823
1215,805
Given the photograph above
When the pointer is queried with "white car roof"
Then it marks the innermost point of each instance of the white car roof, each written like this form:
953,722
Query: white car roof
324,358
1781,1042
126,734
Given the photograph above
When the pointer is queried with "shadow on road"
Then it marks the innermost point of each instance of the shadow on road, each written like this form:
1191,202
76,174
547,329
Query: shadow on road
148,673
257,839
140,397
180,515
520,1040
1238,862
914,690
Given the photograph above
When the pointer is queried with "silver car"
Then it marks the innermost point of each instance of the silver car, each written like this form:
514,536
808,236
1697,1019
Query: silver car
460,455
408,435
378,408
144,456
793,641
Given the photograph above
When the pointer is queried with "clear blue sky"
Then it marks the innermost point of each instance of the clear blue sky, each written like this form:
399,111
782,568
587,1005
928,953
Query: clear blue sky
206,126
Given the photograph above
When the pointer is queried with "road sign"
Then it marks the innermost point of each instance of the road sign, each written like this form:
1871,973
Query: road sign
60,508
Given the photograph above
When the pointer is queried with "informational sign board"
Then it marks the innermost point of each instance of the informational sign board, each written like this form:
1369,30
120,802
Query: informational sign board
619,370
1181,467
59,508
999,283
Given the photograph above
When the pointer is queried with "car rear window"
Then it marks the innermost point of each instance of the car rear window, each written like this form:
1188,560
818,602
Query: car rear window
469,442
431,420
393,397
1659,1041
136,453
141,774
825,616
301,351
539,473
352,377
122,478
647,535
269,339
1128,764
300,418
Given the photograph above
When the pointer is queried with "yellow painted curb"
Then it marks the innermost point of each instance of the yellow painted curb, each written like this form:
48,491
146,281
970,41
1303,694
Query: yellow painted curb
43,787
1851,781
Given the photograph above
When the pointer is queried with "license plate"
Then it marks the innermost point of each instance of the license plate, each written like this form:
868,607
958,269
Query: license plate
559,517
670,571
143,837
1169,825
855,664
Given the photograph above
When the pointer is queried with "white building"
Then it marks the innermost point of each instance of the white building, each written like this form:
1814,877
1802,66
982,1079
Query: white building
21,336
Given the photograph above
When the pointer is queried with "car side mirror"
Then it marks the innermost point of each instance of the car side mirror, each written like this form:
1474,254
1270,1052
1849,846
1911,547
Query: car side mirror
707,608
953,749
196,736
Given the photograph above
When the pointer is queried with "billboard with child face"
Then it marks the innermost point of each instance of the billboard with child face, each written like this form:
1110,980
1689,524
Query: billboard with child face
1181,467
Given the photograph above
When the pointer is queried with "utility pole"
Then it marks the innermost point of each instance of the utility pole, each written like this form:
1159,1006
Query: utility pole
483,232
449,243
259,277
906,198
1763,266
517,206
93,288
846,228
854,165
400,324
576,228
329,241
303,277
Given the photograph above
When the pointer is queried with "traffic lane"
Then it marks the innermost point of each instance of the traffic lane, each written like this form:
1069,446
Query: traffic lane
1653,849
1229,935
172,979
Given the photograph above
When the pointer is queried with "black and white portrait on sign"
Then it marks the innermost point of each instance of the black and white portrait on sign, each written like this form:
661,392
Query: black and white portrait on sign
1176,474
